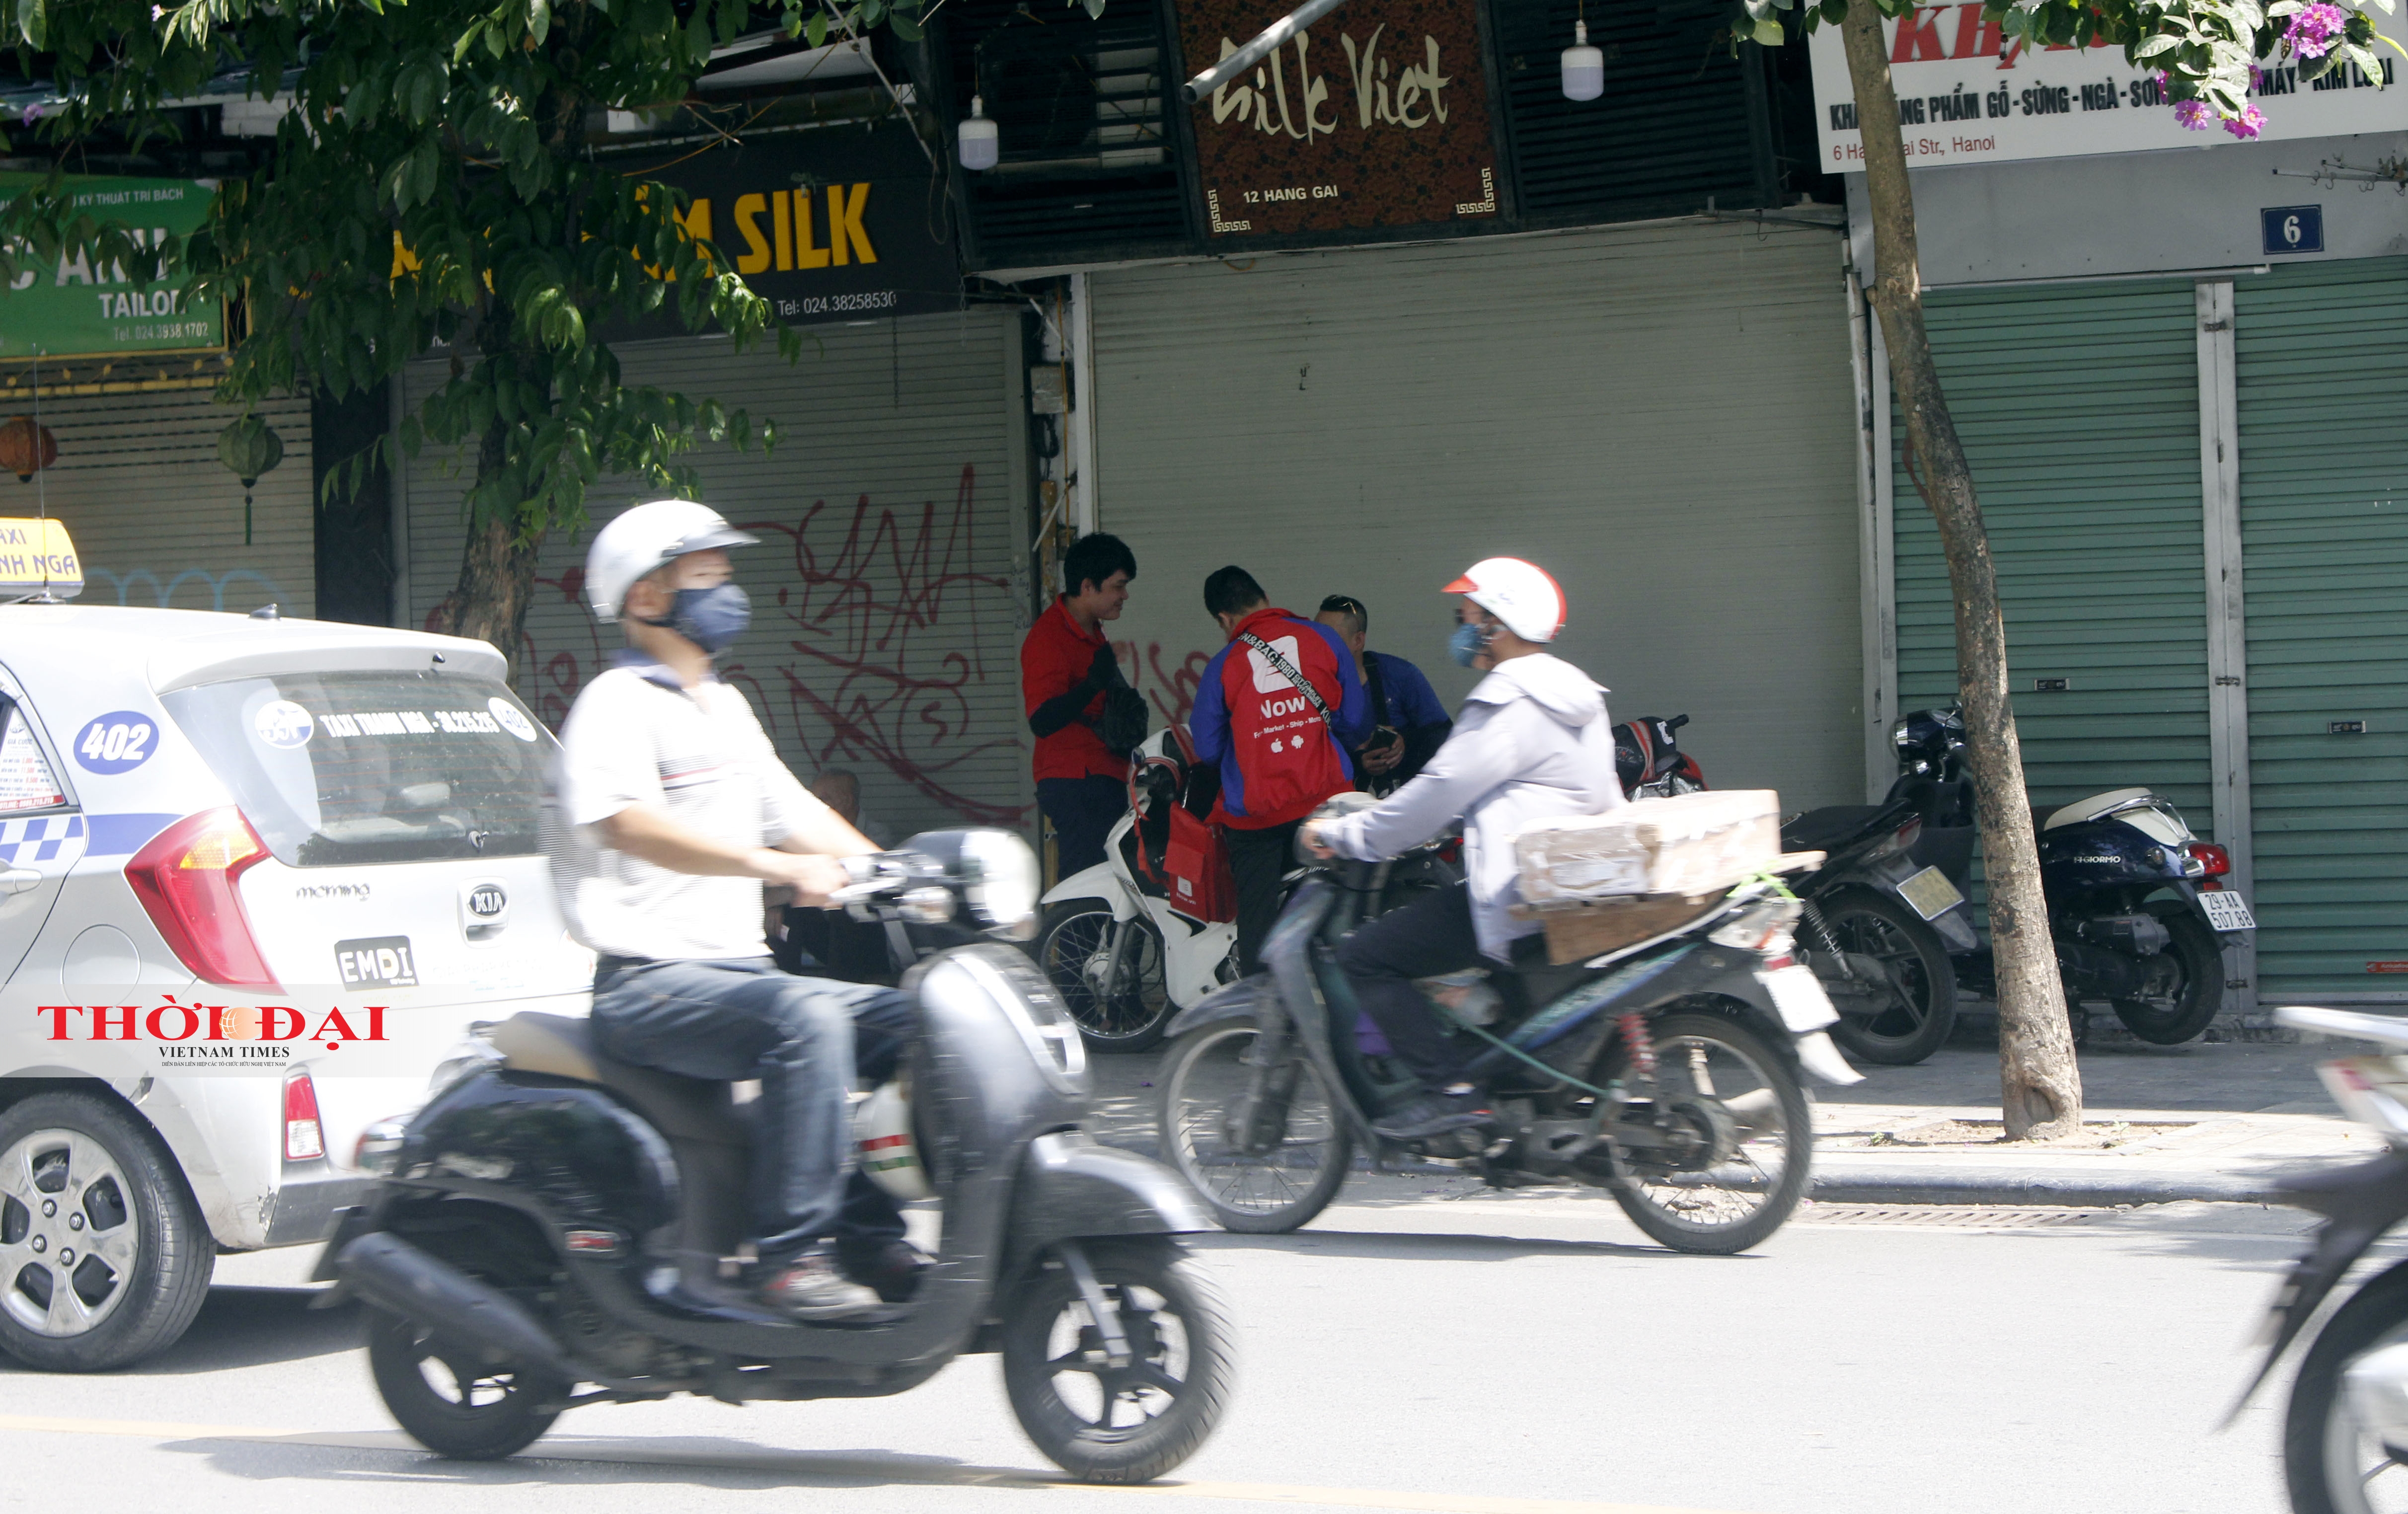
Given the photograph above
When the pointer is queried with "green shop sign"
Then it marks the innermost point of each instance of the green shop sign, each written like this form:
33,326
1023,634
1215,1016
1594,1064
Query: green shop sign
77,311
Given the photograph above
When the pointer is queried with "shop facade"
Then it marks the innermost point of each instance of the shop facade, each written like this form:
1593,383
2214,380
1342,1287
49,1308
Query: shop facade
2179,377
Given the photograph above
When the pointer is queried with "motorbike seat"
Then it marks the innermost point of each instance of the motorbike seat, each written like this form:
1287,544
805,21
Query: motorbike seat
1828,829
561,1046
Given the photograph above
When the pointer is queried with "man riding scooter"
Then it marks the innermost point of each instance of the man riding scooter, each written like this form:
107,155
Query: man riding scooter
673,810
1532,743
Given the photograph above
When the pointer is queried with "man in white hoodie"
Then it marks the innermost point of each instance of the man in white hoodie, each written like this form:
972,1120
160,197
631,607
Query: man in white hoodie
1531,743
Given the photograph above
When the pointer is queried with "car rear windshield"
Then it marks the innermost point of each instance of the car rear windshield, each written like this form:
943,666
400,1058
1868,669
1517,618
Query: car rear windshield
342,768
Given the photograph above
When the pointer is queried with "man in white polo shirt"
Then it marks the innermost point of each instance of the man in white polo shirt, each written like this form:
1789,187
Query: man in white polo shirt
677,810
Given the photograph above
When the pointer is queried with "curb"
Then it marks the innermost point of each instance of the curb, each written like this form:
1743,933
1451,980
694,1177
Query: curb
2026,1186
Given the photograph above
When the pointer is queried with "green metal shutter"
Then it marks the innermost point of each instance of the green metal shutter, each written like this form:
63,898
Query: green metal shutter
2079,412
2321,362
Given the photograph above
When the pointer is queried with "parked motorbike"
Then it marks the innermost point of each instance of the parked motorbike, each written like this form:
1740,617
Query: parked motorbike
2346,1432
1648,759
1879,929
2137,903
557,1229
1124,945
1668,1072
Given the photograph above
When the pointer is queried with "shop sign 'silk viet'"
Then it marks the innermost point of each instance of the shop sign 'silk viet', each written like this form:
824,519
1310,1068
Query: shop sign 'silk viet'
75,309
1376,117
1963,97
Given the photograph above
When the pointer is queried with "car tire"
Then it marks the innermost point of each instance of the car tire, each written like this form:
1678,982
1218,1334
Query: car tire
117,1200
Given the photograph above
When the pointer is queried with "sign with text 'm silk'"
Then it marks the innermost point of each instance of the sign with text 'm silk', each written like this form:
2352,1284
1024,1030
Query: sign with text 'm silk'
834,224
1378,116
1963,97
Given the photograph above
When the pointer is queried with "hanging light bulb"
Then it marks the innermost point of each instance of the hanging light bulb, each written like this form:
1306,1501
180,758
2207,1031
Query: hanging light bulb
977,139
1583,67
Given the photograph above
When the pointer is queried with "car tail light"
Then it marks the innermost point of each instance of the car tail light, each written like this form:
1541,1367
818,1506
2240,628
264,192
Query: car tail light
2214,861
186,879
304,1139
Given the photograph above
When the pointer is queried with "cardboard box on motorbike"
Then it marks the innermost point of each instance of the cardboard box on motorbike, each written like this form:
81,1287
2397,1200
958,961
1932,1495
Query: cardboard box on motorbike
1600,882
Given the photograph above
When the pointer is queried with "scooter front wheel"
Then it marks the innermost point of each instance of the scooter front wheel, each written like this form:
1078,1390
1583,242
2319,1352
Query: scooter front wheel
1268,1185
1109,974
450,1404
1132,1423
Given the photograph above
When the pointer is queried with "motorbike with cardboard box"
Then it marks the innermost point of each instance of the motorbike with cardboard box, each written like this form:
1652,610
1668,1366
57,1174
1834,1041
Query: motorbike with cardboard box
1653,1040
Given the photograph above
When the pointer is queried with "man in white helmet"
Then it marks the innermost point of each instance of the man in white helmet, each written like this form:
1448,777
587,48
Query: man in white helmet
1531,743
672,810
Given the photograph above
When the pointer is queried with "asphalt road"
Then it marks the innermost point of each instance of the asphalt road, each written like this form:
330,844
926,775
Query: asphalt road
1424,1345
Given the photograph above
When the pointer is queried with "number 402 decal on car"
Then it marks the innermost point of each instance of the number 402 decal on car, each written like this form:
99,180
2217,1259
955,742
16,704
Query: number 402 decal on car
117,742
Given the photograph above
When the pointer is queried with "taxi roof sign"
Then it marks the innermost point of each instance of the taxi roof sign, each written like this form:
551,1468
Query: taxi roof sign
38,561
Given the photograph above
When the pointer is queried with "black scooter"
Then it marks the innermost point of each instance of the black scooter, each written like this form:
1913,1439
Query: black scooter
1880,929
555,1229
2138,904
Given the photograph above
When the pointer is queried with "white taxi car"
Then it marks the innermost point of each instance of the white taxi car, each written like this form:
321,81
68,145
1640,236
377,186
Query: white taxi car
216,799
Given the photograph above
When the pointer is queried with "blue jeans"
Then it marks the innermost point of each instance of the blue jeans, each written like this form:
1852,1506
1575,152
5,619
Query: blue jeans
805,1038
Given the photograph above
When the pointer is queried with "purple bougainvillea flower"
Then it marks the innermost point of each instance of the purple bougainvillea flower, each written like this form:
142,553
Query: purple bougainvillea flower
2313,30
2192,115
2247,124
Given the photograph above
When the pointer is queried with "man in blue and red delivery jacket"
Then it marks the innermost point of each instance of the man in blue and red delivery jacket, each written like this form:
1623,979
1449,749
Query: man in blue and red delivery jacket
1282,748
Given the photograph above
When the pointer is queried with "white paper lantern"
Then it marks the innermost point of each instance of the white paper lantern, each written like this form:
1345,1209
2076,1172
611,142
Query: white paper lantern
1584,68
980,145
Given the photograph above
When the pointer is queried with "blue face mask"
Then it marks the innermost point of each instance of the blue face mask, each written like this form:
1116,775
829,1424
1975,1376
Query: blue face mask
711,618
1468,643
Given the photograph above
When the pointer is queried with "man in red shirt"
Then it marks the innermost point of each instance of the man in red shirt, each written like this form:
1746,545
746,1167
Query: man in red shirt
1282,745
1065,668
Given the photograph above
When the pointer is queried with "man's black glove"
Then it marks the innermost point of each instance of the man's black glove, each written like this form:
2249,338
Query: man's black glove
1105,671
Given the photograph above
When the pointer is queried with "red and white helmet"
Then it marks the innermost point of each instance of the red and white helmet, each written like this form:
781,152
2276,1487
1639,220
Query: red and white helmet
1519,593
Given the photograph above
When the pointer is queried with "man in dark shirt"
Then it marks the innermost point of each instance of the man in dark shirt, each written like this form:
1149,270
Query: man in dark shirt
1065,668
1411,722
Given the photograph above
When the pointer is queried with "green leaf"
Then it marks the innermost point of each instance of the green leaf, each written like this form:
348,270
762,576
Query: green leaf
538,18
905,25
815,30
34,22
2153,45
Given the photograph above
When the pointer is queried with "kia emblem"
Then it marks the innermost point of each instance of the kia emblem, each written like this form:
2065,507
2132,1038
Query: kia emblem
484,907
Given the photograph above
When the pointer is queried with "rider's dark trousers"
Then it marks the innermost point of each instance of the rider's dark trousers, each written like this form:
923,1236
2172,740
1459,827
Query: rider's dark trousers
805,1038
1432,935
1083,811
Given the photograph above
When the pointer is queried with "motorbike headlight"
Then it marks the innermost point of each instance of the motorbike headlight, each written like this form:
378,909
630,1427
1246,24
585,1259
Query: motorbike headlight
1038,1013
1006,881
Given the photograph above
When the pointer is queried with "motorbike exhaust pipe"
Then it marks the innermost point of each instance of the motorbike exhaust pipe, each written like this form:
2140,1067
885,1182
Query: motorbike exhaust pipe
478,1318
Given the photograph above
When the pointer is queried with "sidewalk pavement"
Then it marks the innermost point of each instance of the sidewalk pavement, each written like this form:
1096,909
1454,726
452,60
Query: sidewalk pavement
2207,1121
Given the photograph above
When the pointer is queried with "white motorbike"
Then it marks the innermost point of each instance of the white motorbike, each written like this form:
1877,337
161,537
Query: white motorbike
1149,930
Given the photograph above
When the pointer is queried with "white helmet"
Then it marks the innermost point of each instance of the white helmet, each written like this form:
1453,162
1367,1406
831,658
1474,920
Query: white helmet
642,539
1519,593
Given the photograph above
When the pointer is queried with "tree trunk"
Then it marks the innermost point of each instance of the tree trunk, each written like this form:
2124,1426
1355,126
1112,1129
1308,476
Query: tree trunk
497,582
2040,1087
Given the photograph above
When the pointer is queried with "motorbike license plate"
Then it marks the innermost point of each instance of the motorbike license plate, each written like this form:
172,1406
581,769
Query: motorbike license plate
1797,995
2228,911
1930,892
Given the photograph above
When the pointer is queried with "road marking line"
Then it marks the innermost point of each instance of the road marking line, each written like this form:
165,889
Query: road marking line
805,1464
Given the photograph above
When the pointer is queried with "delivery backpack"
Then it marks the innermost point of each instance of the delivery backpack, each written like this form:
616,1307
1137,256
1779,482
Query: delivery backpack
1180,855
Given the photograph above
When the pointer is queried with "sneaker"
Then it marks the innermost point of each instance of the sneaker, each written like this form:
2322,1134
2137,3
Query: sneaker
893,1267
812,1287
1434,1114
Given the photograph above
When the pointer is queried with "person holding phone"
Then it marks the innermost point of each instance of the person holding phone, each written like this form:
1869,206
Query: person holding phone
1409,722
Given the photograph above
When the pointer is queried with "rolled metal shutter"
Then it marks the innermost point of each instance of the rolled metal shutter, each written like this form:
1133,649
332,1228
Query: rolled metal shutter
2079,412
891,513
2321,358
1659,415
158,519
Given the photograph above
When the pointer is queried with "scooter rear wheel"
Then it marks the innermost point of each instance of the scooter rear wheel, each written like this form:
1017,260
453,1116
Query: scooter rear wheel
451,1404
1916,1016
2191,1000
1102,1423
